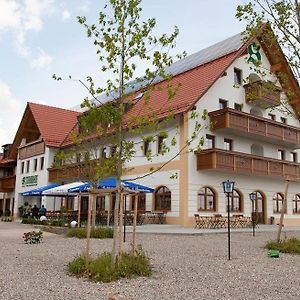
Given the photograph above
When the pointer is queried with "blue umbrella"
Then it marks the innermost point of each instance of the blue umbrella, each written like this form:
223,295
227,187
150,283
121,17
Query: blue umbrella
40,190
111,182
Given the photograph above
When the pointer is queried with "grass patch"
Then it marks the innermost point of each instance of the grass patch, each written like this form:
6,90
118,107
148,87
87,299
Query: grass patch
56,223
101,268
291,245
97,233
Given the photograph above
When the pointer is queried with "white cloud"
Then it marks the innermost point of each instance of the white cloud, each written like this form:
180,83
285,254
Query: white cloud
20,17
85,6
41,61
66,15
10,114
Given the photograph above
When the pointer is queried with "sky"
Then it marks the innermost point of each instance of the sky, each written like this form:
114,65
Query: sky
39,38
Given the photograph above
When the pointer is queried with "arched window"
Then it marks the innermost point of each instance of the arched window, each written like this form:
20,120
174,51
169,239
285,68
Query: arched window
296,204
257,150
206,199
162,198
141,204
104,152
255,111
235,201
277,202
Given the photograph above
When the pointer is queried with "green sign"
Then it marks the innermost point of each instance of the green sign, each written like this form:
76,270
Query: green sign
254,53
30,180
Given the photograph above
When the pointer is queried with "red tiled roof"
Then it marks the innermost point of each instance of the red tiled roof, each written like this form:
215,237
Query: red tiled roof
54,123
193,84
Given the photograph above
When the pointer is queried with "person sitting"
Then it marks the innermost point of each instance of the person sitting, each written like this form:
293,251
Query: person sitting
42,211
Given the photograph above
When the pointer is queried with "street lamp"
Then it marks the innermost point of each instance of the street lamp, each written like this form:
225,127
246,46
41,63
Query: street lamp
253,197
228,187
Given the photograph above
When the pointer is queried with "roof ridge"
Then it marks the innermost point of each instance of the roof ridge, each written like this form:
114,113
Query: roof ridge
55,107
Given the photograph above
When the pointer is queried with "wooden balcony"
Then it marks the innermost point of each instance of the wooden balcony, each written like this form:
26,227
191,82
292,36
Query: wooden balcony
242,163
31,149
7,183
237,122
74,171
262,93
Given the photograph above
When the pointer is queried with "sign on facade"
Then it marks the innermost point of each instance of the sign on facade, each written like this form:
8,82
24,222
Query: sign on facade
30,180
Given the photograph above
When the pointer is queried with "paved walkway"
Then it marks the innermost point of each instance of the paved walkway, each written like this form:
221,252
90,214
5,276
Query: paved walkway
179,230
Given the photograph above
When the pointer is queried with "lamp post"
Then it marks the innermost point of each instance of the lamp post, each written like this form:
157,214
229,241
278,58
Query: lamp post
253,197
228,187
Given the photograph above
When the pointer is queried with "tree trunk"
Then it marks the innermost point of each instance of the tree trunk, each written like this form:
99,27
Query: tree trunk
79,210
88,228
283,209
94,211
115,253
134,225
121,213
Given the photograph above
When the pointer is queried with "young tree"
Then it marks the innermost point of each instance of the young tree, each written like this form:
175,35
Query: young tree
125,43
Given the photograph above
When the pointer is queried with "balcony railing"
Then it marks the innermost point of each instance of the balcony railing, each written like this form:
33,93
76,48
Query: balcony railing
262,93
76,171
7,183
242,163
241,123
32,149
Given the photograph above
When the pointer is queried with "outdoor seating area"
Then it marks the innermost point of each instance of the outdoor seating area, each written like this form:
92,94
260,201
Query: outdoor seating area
143,217
219,221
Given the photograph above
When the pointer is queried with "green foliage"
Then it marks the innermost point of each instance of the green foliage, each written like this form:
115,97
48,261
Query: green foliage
97,233
33,237
7,219
291,245
57,223
101,268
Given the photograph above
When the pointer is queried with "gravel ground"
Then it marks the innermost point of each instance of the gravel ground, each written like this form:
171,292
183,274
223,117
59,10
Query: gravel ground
185,267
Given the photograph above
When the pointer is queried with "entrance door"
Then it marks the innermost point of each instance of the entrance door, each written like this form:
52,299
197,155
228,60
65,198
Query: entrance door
260,208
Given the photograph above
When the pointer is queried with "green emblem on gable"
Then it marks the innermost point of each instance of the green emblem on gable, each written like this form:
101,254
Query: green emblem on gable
254,54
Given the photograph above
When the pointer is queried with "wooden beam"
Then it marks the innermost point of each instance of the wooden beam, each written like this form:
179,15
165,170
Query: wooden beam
276,67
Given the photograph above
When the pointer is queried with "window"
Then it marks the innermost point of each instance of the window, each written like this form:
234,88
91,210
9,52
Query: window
161,143
296,204
35,164
22,167
283,120
162,199
277,202
104,152
70,203
223,103
113,150
42,163
141,204
146,147
209,141
238,106
27,166
100,203
206,199
281,154
235,203
294,157
272,117
238,78
78,157
228,144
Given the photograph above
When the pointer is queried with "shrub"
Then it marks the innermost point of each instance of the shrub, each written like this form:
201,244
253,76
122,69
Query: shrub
33,237
57,223
7,219
97,233
101,268
291,245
